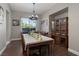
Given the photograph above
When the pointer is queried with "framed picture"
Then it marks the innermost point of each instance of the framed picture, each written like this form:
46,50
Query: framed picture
15,22
1,15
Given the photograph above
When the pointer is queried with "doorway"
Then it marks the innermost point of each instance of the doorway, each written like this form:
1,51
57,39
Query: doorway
58,27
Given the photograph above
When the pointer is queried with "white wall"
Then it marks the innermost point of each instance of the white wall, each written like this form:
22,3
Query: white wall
3,28
45,25
73,15
38,25
73,27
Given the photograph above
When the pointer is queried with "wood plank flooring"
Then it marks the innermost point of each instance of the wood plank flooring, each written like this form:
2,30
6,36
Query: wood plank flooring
15,49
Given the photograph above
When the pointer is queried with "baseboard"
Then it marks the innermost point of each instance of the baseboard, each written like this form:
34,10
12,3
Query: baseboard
16,39
73,51
4,47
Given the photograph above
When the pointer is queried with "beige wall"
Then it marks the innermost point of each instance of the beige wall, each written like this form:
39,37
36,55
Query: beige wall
73,15
3,28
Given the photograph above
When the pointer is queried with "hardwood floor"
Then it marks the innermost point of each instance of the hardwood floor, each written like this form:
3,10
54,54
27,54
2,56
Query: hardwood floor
15,49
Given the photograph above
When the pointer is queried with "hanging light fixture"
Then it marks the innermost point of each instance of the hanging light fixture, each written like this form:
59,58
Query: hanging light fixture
34,16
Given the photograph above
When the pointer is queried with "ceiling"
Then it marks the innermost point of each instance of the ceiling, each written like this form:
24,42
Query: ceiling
28,7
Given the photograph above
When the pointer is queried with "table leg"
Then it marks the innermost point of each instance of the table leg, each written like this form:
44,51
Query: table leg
27,51
51,49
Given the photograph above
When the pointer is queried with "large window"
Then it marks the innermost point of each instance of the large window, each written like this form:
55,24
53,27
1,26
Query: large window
28,24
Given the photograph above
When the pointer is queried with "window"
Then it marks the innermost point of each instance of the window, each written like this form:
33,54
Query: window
28,24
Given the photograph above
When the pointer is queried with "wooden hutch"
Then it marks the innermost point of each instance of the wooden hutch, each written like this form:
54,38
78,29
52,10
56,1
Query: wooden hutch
58,27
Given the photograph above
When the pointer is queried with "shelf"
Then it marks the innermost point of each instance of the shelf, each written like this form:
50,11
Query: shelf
60,30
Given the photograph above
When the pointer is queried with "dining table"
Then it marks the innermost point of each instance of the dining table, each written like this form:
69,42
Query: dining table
36,40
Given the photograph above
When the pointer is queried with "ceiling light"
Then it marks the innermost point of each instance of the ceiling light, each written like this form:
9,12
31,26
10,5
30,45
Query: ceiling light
34,16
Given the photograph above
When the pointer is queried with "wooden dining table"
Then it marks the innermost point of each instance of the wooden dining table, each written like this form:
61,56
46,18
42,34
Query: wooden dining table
29,41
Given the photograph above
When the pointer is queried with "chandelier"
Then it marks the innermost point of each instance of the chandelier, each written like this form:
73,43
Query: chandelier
34,16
